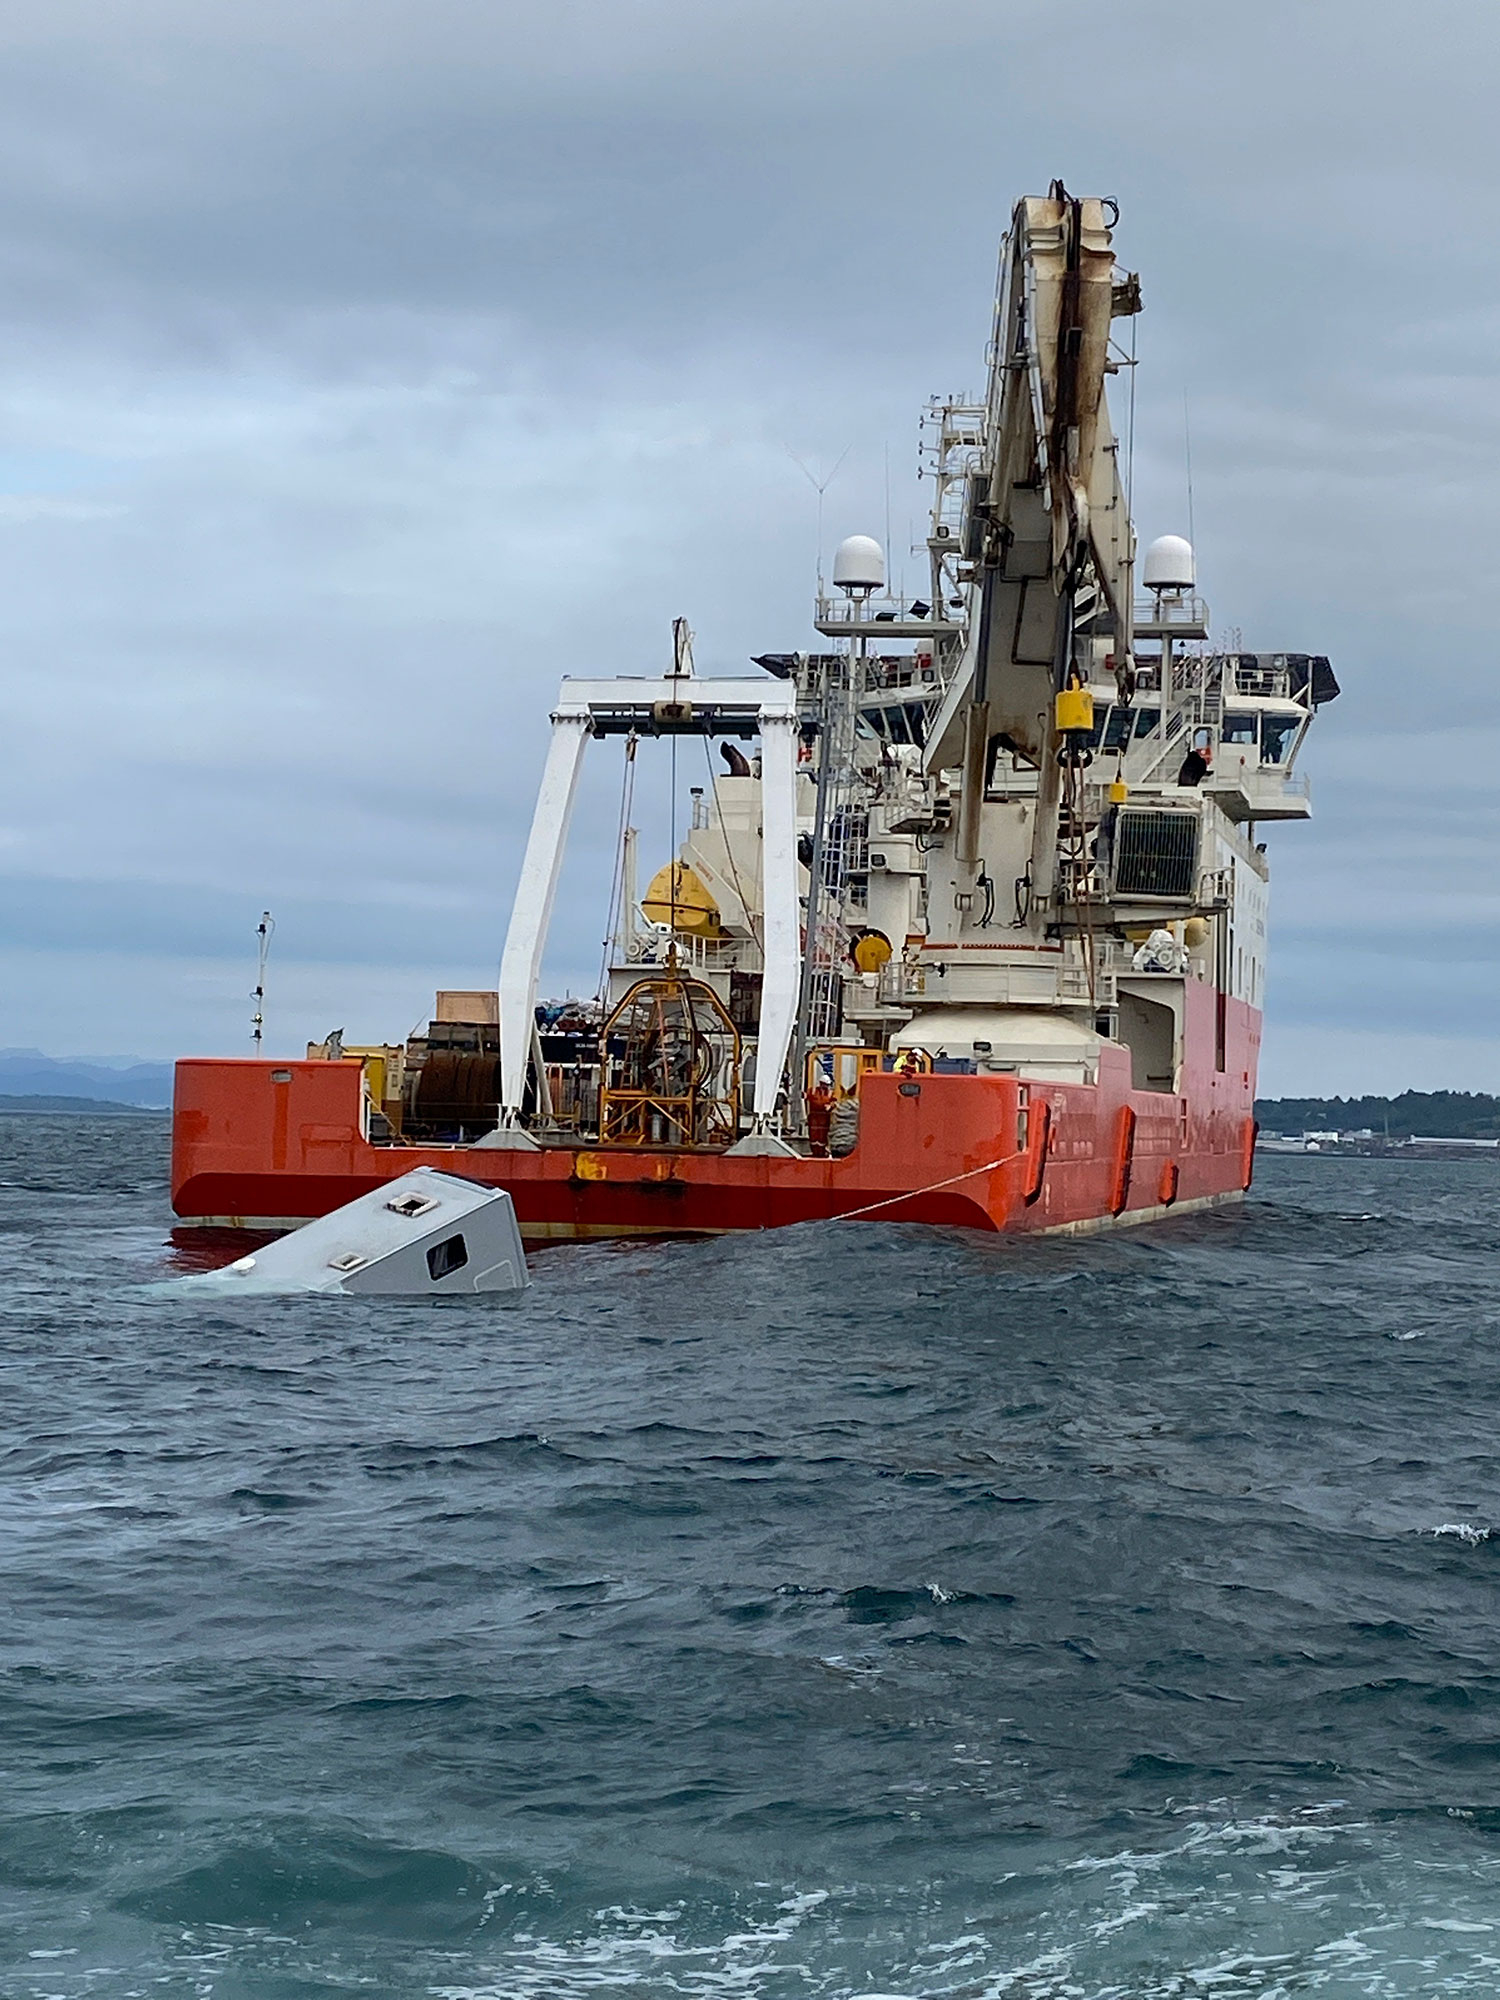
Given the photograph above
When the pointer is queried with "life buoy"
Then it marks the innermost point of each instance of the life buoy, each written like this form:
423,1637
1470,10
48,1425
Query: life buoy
1166,1189
1119,1187
1038,1144
1247,1156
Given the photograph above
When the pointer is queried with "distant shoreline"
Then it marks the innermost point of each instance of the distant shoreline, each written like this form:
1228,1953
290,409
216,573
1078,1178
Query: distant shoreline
1432,1114
79,1107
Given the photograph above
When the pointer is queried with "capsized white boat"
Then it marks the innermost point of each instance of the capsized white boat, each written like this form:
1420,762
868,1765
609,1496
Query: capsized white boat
426,1235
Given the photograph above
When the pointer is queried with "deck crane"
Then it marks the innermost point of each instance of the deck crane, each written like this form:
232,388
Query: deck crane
1046,531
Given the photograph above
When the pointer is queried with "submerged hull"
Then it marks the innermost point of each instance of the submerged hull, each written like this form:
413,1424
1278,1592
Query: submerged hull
261,1145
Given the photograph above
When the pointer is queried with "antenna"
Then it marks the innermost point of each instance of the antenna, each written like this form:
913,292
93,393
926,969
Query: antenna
263,931
820,488
888,500
1130,432
1187,453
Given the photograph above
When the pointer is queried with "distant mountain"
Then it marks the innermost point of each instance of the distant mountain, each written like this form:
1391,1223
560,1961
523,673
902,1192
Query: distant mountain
1433,1114
28,1073
72,1107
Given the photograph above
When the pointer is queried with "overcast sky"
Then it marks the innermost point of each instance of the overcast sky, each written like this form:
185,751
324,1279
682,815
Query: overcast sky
365,367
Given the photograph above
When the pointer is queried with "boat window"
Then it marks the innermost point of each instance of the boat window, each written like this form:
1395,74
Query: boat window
1117,731
1278,733
1238,729
1146,720
1102,713
448,1256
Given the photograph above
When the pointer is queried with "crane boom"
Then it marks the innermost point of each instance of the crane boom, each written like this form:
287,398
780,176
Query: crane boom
1046,528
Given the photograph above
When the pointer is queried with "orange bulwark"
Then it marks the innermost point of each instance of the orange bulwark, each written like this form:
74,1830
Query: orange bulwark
265,1145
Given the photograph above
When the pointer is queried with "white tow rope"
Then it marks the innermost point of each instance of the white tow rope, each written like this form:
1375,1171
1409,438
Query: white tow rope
911,1194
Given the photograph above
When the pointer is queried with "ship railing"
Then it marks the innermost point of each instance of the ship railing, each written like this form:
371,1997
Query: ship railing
1197,674
1171,616
1167,750
1077,880
1268,683
899,670
897,983
893,616
643,951
903,985
1274,781
1257,783
1074,983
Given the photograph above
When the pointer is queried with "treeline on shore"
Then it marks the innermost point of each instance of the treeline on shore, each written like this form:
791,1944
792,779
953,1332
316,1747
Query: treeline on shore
1432,1114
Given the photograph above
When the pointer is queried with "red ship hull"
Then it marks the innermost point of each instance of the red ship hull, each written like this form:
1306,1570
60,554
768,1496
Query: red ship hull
266,1145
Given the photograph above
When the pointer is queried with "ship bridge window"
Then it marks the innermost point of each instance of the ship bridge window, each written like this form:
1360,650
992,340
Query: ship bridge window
1238,729
1278,735
1114,725
1146,720
903,723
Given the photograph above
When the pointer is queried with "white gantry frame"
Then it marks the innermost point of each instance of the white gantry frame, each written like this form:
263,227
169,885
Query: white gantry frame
718,707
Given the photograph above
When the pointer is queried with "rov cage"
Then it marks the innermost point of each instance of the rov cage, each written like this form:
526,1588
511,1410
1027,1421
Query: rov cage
670,1067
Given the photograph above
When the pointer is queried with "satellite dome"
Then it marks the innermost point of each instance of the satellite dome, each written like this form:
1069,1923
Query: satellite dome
859,564
1169,564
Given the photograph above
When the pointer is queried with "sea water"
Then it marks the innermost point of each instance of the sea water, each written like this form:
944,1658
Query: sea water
853,1610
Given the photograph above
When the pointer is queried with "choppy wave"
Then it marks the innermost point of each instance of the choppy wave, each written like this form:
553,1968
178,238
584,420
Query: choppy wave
848,1612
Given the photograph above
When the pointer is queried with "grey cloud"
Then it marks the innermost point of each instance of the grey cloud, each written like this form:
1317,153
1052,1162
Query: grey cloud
363,368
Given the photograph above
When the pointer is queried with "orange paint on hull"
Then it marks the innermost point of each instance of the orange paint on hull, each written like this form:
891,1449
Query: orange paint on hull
249,1151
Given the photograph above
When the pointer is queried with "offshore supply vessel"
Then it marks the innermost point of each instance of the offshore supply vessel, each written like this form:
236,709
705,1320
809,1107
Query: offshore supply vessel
970,929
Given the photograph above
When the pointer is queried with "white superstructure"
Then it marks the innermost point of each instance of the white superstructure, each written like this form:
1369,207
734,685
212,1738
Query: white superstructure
1013,820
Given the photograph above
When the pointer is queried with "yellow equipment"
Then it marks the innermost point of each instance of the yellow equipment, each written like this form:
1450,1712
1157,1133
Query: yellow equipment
1075,711
870,952
383,1064
677,896
839,1066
